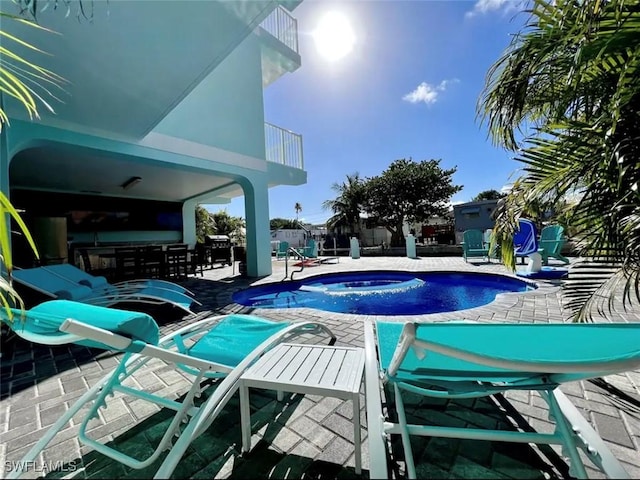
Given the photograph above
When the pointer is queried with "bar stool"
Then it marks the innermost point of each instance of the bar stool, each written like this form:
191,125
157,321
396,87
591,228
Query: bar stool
176,260
151,261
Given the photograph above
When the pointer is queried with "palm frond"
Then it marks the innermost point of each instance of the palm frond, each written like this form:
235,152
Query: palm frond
597,286
24,80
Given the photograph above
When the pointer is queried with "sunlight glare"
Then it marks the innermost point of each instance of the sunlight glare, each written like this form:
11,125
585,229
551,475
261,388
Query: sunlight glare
334,37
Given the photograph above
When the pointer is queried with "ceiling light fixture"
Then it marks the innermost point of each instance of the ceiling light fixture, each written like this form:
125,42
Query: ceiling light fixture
133,181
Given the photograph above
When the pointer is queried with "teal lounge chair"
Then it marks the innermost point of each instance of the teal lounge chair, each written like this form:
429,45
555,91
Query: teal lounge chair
473,245
217,347
282,250
551,243
467,360
49,282
77,275
311,249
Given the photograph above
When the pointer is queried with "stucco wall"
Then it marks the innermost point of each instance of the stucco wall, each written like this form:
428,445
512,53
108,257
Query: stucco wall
227,104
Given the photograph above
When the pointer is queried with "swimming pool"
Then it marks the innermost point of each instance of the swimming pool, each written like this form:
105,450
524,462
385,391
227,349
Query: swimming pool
383,292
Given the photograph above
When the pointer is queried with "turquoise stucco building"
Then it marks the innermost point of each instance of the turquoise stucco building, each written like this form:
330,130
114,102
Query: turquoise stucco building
162,110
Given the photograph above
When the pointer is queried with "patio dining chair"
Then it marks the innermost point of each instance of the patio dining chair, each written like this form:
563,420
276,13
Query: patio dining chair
176,257
151,261
97,291
89,267
458,360
220,347
127,263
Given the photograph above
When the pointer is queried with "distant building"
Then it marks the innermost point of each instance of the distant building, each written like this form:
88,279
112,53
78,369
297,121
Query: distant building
433,231
296,237
473,215
375,236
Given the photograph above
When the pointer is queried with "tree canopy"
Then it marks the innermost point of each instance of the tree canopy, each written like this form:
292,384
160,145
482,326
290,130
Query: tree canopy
219,223
409,191
205,225
278,223
488,195
228,225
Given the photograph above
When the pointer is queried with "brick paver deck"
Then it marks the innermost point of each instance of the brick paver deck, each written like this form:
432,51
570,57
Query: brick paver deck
305,436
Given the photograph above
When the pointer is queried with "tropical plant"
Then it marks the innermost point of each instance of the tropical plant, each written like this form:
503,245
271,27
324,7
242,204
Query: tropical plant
570,85
409,192
9,297
348,205
225,224
28,84
20,79
205,224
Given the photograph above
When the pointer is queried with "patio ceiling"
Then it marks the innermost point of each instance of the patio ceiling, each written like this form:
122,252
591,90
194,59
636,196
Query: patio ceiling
85,171
135,60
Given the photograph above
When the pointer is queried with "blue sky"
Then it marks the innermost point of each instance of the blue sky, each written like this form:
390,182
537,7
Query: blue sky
407,89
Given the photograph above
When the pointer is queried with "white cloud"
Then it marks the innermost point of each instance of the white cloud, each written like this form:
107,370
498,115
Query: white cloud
428,93
452,203
484,6
506,188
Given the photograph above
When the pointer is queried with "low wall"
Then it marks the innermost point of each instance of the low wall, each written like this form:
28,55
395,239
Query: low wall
422,251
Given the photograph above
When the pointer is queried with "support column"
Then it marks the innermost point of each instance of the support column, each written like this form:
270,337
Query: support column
189,222
256,207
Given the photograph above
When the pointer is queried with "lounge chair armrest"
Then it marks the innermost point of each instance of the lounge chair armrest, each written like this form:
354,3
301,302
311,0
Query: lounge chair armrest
122,343
110,339
375,417
405,342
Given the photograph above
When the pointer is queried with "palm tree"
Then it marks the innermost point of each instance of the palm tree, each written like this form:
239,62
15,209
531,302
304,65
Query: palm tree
298,208
569,85
346,207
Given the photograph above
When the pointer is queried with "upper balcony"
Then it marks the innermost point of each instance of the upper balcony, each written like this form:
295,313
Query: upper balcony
283,146
279,35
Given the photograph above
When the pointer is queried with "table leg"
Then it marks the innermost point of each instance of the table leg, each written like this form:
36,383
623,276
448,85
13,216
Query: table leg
245,418
357,441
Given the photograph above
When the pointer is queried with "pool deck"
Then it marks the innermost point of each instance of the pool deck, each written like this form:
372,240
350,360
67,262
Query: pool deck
308,436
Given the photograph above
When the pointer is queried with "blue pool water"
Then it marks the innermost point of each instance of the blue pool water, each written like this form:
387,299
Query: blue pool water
383,293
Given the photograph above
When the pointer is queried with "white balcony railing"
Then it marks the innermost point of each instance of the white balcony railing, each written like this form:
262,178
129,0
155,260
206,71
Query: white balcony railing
283,146
282,25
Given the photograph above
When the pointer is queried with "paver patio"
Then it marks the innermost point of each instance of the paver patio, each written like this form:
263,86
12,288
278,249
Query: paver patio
305,436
